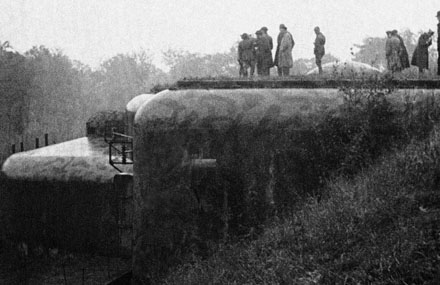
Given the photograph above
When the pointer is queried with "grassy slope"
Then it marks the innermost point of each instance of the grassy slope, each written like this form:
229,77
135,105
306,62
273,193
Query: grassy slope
382,227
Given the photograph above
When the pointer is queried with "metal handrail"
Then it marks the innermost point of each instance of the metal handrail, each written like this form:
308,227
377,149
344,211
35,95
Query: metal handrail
122,152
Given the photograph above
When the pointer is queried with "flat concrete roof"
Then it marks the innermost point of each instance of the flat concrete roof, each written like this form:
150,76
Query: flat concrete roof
83,159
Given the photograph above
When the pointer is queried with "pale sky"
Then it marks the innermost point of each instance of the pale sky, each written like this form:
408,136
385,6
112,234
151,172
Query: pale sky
94,30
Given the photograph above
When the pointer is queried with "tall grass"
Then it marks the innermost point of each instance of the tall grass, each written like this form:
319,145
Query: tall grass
381,227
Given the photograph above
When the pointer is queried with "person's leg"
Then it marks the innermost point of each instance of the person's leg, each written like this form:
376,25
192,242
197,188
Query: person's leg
438,64
319,63
245,69
252,68
286,71
266,71
280,71
259,67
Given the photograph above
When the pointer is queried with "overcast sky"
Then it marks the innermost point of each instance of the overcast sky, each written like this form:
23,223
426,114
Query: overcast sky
94,30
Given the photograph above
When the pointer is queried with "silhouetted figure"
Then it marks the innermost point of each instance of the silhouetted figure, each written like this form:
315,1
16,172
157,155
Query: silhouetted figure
263,53
392,51
319,49
387,43
246,55
438,43
269,38
403,55
283,56
265,34
421,56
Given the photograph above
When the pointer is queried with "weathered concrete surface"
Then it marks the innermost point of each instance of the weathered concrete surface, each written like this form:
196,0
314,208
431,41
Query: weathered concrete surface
85,159
133,106
255,143
63,195
73,216
346,68
259,148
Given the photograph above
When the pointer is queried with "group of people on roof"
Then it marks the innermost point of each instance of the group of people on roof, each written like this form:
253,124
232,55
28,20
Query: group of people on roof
397,55
257,52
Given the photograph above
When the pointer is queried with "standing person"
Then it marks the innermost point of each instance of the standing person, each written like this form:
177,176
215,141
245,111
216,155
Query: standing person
319,49
264,55
283,56
246,56
387,44
269,38
438,43
421,56
277,52
392,51
403,55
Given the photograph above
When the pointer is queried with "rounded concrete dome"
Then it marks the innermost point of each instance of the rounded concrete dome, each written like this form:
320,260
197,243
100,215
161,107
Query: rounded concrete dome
346,68
132,107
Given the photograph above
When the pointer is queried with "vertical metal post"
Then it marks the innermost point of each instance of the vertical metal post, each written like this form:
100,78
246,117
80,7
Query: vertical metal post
46,139
124,157
37,142
13,148
21,146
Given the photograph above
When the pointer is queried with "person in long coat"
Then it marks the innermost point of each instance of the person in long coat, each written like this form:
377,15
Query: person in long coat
283,56
269,38
264,55
421,56
246,55
387,43
404,57
392,51
438,43
319,49
277,52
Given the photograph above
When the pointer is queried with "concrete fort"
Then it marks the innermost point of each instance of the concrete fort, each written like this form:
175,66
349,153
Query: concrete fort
68,196
213,163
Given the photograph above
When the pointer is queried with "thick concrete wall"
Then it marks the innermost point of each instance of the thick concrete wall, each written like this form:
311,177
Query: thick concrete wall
209,163
63,196
73,216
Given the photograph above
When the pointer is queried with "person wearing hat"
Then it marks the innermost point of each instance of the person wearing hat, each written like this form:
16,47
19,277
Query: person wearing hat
269,38
265,34
387,43
263,53
319,49
392,51
283,55
403,54
246,55
421,55
438,43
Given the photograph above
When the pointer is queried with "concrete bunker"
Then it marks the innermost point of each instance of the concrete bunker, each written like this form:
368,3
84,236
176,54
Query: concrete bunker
210,163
